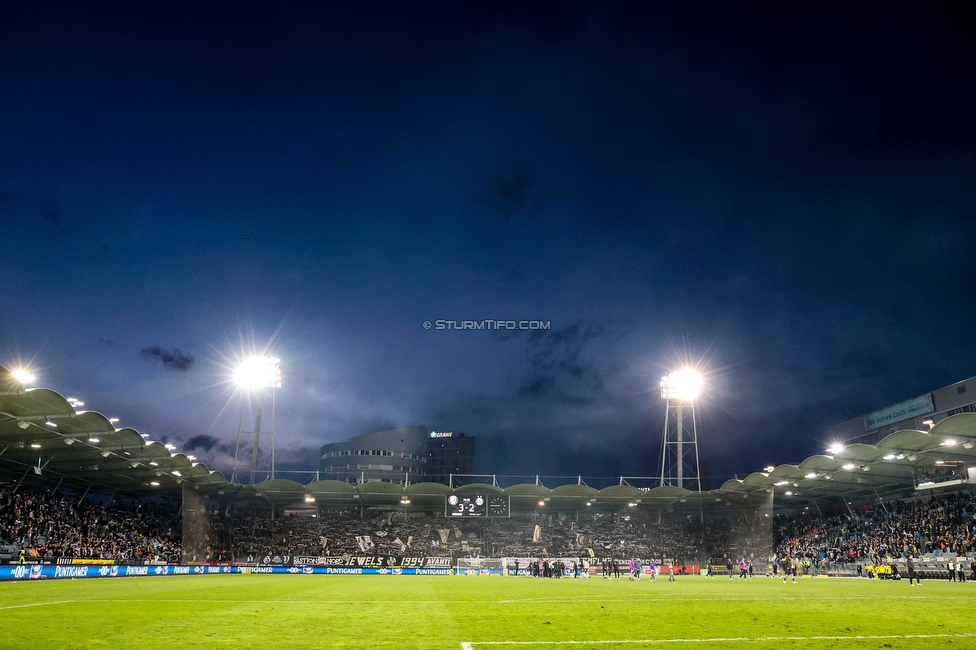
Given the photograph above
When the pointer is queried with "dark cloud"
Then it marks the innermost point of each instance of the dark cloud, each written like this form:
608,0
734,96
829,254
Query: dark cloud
501,335
537,386
512,193
50,210
202,442
553,354
174,359
106,342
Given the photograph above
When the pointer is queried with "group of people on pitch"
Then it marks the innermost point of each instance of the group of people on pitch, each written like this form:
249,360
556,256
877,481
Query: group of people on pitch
745,568
543,568
611,568
637,568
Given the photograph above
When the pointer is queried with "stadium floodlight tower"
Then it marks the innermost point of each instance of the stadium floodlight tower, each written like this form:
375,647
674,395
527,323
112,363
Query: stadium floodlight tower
680,389
254,376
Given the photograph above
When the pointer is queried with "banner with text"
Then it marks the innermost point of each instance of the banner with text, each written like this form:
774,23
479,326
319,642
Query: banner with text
908,409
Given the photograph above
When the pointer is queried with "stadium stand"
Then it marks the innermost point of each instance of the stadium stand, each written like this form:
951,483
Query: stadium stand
73,486
54,526
933,529
638,534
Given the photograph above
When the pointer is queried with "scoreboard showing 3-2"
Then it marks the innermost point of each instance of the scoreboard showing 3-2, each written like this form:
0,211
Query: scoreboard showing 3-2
477,505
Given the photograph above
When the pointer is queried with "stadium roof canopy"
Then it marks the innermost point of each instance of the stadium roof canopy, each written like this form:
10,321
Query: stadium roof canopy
900,463
44,435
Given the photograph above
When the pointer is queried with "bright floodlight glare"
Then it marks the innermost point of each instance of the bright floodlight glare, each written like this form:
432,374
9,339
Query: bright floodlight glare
23,376
835,448
684,385
258,372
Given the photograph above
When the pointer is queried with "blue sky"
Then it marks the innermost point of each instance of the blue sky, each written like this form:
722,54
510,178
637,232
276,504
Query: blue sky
786,198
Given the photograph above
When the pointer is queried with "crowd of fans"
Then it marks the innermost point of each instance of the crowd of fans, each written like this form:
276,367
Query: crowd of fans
942,525
637,534
50,526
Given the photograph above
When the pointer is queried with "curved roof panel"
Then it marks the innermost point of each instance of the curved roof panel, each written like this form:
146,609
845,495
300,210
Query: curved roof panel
757,479
428,495
331,489
427,489
573,490
527,490
908,439
41,428
478,487
732,485
378,493
962,425
668,492
619,492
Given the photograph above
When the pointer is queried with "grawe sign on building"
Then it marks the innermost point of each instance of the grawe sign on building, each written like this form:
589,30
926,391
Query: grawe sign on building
901,411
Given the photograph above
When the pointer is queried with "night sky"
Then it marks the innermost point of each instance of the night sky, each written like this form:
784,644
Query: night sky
784,198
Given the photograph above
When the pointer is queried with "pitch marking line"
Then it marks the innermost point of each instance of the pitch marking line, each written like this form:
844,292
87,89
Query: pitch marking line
57,602
469,645
654,597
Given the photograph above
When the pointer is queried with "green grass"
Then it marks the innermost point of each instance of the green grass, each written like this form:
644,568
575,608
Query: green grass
241,611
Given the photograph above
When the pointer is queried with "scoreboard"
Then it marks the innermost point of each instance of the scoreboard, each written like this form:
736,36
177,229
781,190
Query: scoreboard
477,505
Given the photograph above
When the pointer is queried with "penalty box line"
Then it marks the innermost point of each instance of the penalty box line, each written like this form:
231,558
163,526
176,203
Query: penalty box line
470,645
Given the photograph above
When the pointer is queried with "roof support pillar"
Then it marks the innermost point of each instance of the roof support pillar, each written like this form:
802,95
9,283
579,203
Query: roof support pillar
847,505
85,493
881,501
29,468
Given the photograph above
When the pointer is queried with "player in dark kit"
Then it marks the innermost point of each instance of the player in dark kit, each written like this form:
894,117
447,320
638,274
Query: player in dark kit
910,569
789,569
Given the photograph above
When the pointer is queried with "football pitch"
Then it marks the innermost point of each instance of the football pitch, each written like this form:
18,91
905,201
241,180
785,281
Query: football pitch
483,613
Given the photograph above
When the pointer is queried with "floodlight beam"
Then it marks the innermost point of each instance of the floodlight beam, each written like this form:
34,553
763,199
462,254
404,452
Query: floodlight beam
684,385
23,375
258,372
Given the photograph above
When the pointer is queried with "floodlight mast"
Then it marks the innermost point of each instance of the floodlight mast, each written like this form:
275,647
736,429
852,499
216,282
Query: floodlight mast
680,389
254,376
